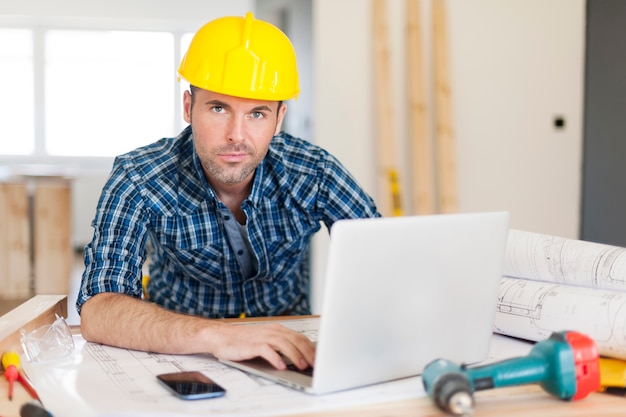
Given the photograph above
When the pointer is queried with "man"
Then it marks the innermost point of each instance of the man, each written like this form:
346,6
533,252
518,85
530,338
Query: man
228,208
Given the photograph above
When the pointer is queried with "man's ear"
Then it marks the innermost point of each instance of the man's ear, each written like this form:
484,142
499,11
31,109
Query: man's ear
187,106
281,116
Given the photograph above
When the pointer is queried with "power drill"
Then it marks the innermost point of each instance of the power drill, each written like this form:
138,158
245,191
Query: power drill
565,365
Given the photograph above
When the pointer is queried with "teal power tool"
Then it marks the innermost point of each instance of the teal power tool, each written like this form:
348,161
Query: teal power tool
565,365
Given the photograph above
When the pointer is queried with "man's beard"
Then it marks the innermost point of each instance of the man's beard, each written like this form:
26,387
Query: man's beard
232,173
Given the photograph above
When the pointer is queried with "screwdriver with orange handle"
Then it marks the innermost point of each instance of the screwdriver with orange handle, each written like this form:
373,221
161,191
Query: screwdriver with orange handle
11,365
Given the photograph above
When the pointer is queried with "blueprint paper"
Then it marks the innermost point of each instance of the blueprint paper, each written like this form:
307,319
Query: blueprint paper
565,261
555,284
104,381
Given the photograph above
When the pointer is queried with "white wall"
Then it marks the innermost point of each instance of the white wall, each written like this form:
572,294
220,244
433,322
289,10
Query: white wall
514,66
517,65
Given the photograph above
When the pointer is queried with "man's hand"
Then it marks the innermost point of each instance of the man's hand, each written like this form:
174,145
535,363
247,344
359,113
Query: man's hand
269,341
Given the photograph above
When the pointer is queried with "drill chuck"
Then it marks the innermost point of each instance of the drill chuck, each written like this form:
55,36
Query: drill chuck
453,393
448,387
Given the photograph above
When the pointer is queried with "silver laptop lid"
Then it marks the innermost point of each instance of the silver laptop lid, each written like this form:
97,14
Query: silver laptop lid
402,291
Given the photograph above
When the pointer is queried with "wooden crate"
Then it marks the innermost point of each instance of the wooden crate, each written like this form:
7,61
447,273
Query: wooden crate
15,242
52,223
35,238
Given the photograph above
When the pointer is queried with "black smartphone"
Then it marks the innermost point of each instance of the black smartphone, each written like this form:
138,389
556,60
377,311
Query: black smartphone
191,385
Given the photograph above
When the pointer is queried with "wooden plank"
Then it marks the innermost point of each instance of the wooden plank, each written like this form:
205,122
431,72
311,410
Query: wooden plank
15,262
423,198
52,236
36,312
446,160
516,401
389,201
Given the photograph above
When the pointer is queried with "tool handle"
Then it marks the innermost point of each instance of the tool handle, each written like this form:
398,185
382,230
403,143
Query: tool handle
550,364
10,373
517,371
34,410
10,358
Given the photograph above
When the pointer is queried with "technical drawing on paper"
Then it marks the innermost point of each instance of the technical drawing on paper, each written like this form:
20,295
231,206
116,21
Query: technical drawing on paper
567,261
533,310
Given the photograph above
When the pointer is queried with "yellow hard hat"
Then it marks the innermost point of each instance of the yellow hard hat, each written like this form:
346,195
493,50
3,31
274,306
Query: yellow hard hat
242,57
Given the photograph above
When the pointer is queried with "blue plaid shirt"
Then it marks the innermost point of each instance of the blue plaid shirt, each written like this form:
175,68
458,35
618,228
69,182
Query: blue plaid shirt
158,193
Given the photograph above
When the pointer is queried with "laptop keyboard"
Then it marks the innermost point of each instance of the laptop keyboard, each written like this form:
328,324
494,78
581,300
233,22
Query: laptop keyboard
308,371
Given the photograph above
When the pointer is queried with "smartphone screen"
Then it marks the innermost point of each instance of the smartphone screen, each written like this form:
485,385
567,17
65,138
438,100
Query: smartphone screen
191,385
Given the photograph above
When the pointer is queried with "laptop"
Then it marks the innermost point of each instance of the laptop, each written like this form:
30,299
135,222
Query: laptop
400,292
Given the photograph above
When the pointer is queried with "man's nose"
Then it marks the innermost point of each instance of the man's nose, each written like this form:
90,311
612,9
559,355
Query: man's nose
236,129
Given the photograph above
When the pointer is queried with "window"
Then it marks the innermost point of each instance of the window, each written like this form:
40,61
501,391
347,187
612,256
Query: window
107,92
17,100
87,93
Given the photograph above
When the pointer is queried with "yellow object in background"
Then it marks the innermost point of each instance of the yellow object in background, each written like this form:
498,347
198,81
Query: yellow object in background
612,373
394,183
144,284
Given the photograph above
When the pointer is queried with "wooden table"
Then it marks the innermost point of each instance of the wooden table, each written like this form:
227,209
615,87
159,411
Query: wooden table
521,401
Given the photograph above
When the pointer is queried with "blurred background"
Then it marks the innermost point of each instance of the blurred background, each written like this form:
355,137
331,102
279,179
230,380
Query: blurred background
533,109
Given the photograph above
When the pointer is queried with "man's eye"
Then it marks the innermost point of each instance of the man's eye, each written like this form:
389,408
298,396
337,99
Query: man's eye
218,109
257,115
